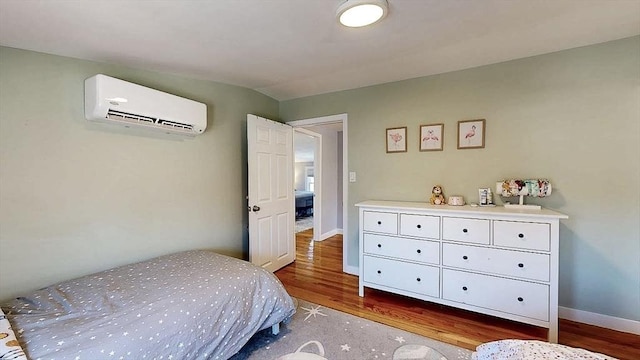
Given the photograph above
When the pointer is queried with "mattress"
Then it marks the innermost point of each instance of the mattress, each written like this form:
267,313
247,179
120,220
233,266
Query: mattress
189,305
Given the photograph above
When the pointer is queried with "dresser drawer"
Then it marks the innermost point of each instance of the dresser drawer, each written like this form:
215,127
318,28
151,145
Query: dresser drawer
420,279
420,226
522,235
520,264
510,296
382,222
465,230
407,249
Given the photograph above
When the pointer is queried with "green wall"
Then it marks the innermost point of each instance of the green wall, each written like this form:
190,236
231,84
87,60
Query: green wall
572,117
77,197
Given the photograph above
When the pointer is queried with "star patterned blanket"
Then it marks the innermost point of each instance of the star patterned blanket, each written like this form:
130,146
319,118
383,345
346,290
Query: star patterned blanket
532,350
189,305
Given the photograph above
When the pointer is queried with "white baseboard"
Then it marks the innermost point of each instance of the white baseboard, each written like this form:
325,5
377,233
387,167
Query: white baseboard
329,234
353,270
605,321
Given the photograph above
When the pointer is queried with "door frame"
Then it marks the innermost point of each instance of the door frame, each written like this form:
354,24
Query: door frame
343,118
317,174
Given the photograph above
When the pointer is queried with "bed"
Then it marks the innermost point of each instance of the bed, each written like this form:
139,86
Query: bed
304,203
188,305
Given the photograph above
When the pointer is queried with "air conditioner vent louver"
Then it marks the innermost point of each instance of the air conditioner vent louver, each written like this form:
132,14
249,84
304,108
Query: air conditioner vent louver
175,125
118,102
136,119
123,116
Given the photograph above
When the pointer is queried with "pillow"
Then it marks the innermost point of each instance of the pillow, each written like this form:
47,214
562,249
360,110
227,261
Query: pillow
9,346
532,349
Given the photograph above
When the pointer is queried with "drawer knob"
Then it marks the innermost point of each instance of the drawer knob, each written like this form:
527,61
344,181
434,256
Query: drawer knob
521,235
521,265
464,288
520,299
465,231
465,257
418,279
419,226
379,272
419,251
379,245
379,222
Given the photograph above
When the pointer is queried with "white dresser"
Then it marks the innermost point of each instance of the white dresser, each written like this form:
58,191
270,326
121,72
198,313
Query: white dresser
492,260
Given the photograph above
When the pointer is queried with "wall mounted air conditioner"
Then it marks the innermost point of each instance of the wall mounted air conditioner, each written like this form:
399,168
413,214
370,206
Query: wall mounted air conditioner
115,101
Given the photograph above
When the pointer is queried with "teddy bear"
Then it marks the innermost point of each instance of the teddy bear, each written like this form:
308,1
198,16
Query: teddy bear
437,197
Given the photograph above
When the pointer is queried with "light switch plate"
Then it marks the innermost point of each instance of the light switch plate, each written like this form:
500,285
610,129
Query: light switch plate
352,176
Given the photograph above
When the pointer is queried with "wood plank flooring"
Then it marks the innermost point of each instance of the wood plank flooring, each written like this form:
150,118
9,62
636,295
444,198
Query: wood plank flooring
317,276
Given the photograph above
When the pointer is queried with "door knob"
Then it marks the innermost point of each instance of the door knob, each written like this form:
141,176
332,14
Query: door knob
256,208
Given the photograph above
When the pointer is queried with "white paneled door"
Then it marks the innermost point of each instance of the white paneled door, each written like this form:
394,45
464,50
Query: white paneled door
271,201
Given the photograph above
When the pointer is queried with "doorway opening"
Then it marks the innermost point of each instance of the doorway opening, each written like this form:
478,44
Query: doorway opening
331,183
307,147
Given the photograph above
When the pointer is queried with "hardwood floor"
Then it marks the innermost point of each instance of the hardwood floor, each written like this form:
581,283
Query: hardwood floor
317,276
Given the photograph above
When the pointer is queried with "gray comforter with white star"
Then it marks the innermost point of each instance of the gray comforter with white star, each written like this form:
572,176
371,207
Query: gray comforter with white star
189,305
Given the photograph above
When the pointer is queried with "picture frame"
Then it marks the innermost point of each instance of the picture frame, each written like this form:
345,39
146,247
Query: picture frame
396,139
432,137
471,134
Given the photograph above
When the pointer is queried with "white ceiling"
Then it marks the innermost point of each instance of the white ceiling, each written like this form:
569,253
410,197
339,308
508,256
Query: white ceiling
294,48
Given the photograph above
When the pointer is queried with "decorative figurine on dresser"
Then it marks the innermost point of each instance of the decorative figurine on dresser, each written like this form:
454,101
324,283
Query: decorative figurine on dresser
521,188
492,260
437,196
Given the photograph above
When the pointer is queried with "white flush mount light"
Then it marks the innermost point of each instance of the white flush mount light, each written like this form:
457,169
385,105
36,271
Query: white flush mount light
358,13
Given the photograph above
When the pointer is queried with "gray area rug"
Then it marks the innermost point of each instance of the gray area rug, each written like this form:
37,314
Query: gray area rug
304,223
318,333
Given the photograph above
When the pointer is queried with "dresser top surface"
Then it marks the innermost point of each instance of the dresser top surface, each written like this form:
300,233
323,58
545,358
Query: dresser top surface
460,210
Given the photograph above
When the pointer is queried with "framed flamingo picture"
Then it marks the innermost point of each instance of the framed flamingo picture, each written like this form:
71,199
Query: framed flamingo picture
397,139
431,137
471,134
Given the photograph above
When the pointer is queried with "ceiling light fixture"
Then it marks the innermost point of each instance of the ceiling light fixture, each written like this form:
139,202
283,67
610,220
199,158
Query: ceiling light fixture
358,13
